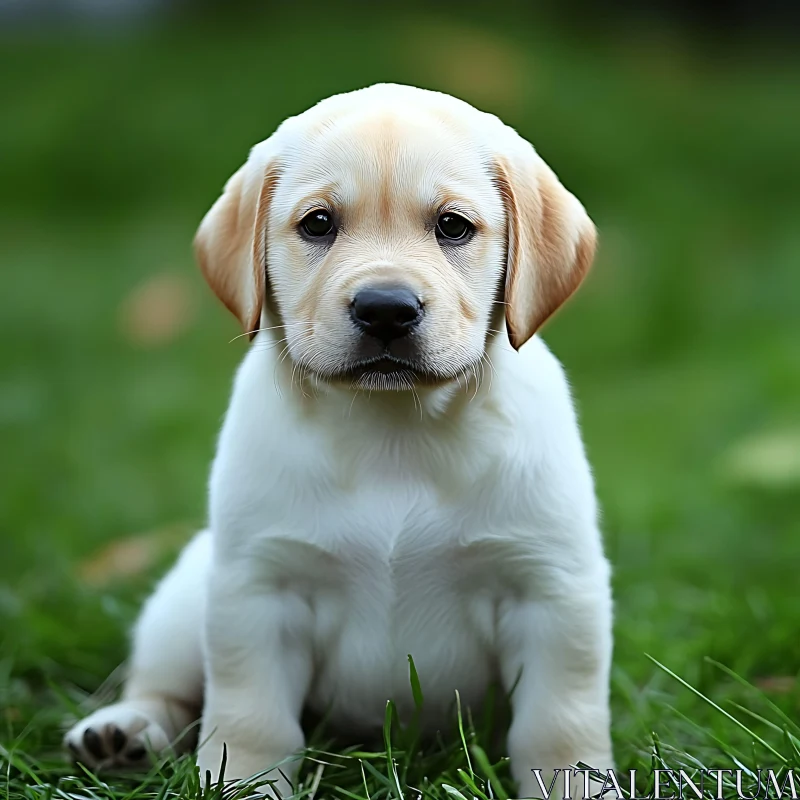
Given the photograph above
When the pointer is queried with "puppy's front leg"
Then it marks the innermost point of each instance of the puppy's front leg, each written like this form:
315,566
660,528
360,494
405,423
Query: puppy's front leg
555,653
258,670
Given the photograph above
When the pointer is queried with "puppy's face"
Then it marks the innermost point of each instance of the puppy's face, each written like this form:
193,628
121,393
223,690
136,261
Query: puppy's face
386,241
384,225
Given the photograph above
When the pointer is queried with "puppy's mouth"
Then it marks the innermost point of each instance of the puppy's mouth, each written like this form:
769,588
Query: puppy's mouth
389,373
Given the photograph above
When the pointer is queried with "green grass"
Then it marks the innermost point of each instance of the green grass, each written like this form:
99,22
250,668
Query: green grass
682,349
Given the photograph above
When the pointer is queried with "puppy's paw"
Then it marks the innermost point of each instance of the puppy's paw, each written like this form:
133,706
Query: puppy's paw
243,771
120,736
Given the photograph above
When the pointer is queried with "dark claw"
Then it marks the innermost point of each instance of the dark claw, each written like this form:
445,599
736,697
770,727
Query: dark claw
118,740
91,741
136,753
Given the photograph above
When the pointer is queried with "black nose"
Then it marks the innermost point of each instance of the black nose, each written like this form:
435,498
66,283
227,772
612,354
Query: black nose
386,313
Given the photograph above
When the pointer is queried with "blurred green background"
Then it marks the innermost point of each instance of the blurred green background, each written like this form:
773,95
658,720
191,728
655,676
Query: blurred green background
683,346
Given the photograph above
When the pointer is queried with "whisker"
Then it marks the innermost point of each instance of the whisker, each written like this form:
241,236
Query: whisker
263,330
418,400
492,372
264,346
352,402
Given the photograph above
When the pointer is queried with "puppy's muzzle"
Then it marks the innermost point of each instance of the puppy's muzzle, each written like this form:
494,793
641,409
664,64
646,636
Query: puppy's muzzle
386,313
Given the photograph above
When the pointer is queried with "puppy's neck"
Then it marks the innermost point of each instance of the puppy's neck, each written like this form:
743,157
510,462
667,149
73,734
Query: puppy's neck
421,405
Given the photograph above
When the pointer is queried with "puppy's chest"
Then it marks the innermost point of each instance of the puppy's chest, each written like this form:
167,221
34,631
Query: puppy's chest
394,543
396,580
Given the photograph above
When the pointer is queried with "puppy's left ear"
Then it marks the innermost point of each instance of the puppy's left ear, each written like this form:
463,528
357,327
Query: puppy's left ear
230,244
551,240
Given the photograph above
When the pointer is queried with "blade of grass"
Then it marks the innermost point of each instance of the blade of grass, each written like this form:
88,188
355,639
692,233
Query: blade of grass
730,751
461,733
488,770
771,725
416,686
478,793
364,778
739,679
718,708
348,793
375,774
387,740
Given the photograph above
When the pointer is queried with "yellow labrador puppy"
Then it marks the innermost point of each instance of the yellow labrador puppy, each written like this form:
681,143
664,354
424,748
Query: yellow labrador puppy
400,470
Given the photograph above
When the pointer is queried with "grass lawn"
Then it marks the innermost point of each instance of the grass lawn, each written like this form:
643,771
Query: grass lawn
683,350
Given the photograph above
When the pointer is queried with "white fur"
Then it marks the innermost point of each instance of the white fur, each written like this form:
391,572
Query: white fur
347,531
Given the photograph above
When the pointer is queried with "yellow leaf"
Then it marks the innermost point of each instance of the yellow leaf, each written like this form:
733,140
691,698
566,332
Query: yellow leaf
158,310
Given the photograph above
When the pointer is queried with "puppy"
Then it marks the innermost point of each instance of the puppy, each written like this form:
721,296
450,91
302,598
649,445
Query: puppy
400,470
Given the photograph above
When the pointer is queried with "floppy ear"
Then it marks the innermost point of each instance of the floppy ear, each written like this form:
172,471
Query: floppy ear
551,241
230,244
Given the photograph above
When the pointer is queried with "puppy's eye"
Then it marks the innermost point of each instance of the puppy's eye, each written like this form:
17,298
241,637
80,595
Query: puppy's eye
317,223
453,227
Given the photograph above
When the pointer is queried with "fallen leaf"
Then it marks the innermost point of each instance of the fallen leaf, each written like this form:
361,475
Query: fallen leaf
158,310
129,557
780,684
770,460
481,68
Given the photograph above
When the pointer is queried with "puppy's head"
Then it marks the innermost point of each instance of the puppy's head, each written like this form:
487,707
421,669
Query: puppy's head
380,229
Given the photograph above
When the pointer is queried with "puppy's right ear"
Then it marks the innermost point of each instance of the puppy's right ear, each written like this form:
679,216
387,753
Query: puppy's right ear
230,244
